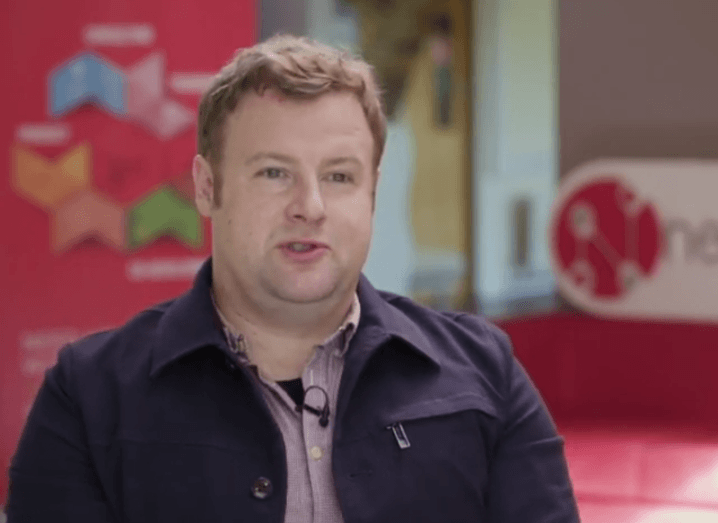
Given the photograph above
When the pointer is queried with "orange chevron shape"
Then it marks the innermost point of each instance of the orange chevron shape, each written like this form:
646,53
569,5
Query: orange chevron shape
87,215
47,183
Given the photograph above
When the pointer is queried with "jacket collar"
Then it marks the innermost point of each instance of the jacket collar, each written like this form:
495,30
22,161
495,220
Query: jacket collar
387,320
190,322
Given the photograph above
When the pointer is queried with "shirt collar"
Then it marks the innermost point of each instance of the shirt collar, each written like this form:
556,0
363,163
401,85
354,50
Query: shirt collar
190,322
348,326
238,343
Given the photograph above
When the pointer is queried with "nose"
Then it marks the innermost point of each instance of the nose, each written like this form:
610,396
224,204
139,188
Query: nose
307,202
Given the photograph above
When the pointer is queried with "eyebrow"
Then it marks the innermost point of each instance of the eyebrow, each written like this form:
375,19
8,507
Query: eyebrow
342,160
288,159
269,156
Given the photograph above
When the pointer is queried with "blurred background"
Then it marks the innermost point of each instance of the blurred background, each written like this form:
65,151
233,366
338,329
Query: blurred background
488,199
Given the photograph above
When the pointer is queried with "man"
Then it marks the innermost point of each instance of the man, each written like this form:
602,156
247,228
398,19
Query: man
283,387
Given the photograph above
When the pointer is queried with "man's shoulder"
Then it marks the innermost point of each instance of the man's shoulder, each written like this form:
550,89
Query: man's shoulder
115,351
450,332
473,357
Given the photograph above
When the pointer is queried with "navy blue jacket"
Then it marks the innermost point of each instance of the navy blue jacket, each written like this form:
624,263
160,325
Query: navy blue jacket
154,423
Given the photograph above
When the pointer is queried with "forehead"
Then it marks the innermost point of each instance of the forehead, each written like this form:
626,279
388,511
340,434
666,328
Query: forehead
328,120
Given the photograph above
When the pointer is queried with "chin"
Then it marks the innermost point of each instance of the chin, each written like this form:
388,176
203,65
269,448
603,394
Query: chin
305,295
306,289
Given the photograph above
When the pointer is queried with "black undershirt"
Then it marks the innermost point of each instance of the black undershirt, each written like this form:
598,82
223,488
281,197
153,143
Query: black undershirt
295,389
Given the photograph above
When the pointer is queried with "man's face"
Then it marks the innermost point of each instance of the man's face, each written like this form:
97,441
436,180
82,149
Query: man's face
295,218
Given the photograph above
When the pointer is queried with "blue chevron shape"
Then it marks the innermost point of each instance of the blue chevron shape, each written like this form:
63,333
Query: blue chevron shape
87,79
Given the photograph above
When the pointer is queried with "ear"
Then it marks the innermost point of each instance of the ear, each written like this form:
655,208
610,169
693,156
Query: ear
203,185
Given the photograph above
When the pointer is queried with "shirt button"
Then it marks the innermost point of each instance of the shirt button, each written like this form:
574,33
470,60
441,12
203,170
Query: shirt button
262,488
316,453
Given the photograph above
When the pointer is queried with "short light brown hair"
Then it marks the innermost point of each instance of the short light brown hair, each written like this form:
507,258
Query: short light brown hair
298,68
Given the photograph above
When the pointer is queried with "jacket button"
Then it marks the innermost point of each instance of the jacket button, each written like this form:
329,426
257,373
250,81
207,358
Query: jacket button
262,488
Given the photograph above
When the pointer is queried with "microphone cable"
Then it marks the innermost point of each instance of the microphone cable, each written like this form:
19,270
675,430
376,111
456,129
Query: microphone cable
322,413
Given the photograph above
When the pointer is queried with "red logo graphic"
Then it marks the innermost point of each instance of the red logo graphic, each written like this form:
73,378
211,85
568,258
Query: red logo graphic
606,239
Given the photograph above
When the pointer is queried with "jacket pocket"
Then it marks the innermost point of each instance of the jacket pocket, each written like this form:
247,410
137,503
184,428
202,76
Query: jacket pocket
467,401
429,461
448,440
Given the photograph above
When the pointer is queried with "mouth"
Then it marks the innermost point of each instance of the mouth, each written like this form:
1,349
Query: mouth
303,251
301,246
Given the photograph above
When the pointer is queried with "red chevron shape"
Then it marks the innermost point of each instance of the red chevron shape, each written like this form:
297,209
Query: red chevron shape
87,215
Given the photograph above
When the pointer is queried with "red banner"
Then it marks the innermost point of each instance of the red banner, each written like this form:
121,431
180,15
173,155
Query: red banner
97,142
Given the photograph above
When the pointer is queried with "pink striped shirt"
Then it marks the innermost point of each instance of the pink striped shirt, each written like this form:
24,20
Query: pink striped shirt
311,495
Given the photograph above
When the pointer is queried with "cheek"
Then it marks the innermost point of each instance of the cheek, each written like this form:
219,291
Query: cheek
236,229
249,216
357,222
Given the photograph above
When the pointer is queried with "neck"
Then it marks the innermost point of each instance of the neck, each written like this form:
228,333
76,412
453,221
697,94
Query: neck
308,322
281,339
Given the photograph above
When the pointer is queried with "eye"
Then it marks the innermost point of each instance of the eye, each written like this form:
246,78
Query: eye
272,173
340,177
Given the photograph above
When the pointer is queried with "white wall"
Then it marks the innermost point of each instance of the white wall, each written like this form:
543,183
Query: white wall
515,153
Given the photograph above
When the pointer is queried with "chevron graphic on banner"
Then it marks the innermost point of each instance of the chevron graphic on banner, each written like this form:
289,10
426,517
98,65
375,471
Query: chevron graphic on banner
64,188
184,185
138,92
163,213
45,182
87,215
168,118
145,83
147,102
87,79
